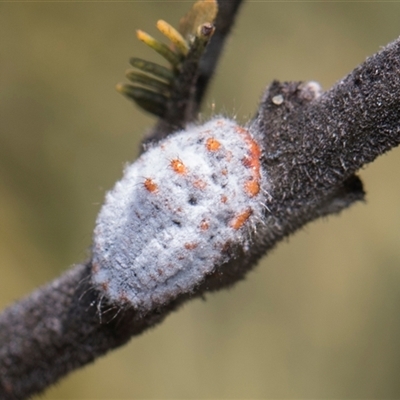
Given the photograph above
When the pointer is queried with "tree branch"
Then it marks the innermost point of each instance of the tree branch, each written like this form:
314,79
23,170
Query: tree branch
313,146
60,327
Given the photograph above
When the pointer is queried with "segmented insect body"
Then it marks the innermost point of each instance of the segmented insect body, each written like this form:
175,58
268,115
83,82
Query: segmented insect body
176,212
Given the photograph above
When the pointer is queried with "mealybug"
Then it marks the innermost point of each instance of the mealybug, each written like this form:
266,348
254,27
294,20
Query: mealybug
160,236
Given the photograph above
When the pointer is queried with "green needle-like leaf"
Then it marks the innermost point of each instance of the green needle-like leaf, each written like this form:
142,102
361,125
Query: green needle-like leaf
154,103
159,47
138,77
152,68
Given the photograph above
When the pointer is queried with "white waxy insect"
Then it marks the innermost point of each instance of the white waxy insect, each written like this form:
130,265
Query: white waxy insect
171,219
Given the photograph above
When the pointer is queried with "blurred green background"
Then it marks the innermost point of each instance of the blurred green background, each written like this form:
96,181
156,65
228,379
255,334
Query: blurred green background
319,316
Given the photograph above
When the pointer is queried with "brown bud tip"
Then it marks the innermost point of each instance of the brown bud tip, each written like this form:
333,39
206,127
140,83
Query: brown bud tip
207,30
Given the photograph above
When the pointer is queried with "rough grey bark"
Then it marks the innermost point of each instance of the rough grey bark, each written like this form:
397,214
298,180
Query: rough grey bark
314,145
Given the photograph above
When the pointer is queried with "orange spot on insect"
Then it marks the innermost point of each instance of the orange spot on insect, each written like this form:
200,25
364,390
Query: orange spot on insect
224,199
212,144
240,219
253,159
199,184
150,185
224,172
253,163
204,225
252,187
247,162
178,166
190,246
